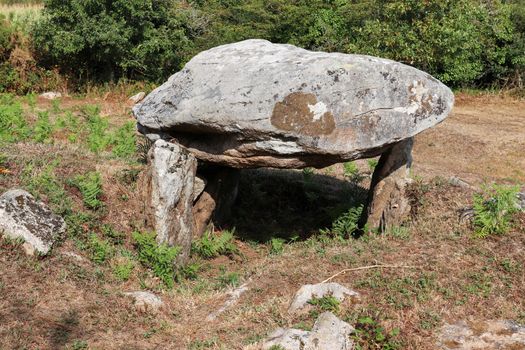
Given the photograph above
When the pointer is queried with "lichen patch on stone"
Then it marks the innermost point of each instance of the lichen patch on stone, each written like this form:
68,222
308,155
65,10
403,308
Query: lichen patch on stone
301,113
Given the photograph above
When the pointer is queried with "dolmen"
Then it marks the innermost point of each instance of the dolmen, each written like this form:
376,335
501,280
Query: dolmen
256,104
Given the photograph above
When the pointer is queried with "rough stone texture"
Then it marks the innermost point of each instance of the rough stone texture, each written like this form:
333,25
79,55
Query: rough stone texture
521,201
328,332
232,299
387,203
146,301
493,335
257,104
169,195
21,216
310,291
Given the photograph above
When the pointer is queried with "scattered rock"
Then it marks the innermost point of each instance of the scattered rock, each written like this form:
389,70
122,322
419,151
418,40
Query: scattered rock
491,335
233,298
51,95
274,105
169,191
328,333
21,216
146,301
74,256
310,291
198,187
138,97
457,182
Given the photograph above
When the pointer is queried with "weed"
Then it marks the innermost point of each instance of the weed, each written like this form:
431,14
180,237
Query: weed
159,257
43,128
113,235
78,224
372,164
429,320
90,185
78,345
143,146
326,303
398,232
277,347
13,126
227,279
97,138
277,246
100,249
212,245
347,223
493,210
189,271
351,171
369,334
123,268
203,344
124,141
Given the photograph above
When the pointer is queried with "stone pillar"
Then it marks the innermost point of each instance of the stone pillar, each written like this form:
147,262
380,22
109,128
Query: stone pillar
169,195
218,197
388,204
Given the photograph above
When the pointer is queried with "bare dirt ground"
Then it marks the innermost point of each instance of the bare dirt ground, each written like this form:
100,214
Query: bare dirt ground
60,303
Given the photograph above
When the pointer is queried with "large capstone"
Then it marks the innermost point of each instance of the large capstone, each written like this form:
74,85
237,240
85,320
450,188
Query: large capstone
258,104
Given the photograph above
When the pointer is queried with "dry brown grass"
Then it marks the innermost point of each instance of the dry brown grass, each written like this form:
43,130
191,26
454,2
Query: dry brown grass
49,303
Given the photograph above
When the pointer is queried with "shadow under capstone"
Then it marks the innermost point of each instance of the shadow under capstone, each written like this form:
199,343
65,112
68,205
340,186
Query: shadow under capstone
289,204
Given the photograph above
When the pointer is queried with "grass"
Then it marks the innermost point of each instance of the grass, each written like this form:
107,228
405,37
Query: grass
21,15
213,245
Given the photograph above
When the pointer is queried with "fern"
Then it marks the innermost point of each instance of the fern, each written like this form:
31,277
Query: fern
159,257
43,128
90,185
13,126
347,223
211,246
493,210
97,138
143,147
124,141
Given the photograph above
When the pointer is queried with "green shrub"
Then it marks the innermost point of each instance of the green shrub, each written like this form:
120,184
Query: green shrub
493,209
97,126
124,141
90,186
123,268
212,245
347,223
100,249
159,257
277,246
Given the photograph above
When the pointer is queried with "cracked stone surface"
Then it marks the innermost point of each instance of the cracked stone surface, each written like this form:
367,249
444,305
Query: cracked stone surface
491,334
21,216
146,301
258,104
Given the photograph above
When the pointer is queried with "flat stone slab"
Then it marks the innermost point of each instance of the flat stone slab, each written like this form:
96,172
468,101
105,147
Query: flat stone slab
258,104
21,216
490,334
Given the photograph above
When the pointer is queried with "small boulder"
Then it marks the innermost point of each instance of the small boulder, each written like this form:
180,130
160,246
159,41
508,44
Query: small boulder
146,301
138,97
51,95
457,182
499,334
311,291
21,216
328,332
521,201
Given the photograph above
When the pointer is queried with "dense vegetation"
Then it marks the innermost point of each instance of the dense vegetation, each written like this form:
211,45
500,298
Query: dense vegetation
465,43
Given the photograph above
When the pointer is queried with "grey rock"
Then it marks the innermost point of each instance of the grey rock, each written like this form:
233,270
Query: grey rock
328,332
169,195
521,201
232,299
51,95
198,187
493,334
260,104
146,301
310,291
457,182
138,97
21,216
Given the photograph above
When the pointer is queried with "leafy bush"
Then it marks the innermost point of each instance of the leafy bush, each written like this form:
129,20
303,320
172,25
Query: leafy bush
90,186
43,128
124,141
108,40
13,126
100,249
123,268
212,245
159,257
493,210
347,223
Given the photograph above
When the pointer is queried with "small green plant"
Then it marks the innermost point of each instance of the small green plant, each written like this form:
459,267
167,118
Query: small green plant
323,304
43,128
369,334
13,126
372,164
212,245
97,138
189,271
398,232
277,246
123,268
124,141
159,257
78,345
351,171
90,185
277,347
347,223
100,249
113,235
493,210
228,279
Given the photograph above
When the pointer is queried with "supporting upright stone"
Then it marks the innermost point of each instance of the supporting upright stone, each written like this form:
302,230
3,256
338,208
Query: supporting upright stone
169,195
388,204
